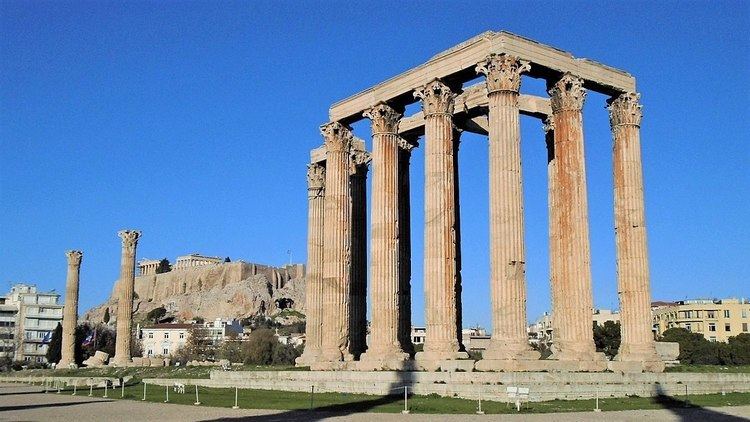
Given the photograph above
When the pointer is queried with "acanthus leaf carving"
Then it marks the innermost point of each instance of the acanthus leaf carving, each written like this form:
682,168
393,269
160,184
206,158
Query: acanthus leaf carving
316,176
359,162
129,239
337,137
567,94
437,98
74,257
385,119
625,109
503,72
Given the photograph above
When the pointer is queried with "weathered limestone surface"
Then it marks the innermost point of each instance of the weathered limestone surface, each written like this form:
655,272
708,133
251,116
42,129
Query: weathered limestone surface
384,341
404,257
314,288
70,312
572,298
441,260
337,244
358,292
507,250
125,302
228,290
630,234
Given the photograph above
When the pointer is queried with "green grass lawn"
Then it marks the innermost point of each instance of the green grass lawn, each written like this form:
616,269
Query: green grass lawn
432,404
147,372
710,368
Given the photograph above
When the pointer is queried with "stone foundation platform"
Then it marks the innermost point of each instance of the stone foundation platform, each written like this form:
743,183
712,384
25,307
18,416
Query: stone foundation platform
469,385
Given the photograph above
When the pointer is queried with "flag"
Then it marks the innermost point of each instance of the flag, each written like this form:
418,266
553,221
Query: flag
89,339
47,337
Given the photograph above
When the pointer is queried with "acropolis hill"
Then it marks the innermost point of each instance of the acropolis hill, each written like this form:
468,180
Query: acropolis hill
226,290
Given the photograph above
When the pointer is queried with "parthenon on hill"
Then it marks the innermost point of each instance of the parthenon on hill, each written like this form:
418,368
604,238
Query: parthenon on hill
337,273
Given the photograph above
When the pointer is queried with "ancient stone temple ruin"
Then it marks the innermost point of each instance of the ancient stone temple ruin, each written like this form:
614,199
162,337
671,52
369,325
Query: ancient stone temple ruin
337,273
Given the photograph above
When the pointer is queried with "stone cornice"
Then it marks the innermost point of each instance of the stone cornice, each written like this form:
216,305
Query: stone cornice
502,72
567,94
337,137
385,119
437,98
625,109
316,176
74,257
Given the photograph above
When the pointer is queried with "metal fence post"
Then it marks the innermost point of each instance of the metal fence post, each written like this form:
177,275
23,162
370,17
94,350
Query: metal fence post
197,402
597,402
236,406
75,387
122,389
144,391
406,400
479,411
312,396
105,388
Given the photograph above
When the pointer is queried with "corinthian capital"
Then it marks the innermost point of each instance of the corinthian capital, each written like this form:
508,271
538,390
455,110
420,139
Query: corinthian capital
567,94
503,72
549,124
625,109
74,257
385,119
316,176
129,239
359,162
337,137
406,145
436,98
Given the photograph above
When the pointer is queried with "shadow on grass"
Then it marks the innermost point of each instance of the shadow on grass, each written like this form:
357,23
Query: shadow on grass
331,410
690,412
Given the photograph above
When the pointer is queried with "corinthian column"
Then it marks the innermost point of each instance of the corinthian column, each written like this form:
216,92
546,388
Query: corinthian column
630,235
441,260
507,250
572,295
358,293
404,245
70,312
384,341
316,177
336,244
125,302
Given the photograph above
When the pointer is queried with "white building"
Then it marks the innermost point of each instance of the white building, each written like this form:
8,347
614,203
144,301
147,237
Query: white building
541,331
162,340
27,320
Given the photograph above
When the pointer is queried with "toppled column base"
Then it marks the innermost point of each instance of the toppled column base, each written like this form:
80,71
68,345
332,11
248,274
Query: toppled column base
70,365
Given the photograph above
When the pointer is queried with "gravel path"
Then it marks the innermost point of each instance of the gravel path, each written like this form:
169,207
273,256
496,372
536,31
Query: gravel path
25,403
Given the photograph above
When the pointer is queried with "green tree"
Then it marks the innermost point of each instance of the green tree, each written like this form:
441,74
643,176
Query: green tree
739,349
106,316
156,314
607,338
199,346
164,266
54,350
232,351
259,347
695,349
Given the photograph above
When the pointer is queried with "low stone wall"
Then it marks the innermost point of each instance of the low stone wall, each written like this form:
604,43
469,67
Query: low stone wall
69,381
470,385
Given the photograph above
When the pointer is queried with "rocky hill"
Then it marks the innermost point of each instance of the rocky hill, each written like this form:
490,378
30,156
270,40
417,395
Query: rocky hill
227,290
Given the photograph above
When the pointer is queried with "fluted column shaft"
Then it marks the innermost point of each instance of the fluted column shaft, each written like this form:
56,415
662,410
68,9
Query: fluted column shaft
126,290
552,195
404,246
70,311
314,277
630,231
441,276
337,244
573,299
358,316
384,342
507,250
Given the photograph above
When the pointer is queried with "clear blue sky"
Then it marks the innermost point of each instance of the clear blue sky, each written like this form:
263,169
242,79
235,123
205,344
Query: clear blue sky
192,122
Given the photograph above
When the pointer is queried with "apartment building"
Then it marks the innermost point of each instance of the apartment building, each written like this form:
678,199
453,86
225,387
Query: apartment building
715,319
27,319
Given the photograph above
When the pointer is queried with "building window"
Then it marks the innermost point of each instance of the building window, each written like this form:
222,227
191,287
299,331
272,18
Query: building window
150,335
150,352
166,335
711,326
744,313
710,314
744,326
166,351
727,327
688,327
726,313
182,335
712,339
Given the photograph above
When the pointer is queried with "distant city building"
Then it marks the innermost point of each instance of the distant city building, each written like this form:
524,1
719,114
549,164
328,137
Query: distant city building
475,338
541,330
27,319
162,340
715,319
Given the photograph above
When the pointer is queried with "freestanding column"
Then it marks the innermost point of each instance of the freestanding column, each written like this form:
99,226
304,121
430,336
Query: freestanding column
358,292
336,244
507,250
70,316
404,246
441,273
384,341
554,238
316,177
125,302
572,295
630,235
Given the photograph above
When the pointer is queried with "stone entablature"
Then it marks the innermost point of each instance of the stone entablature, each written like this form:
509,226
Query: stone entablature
492,109
195,260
